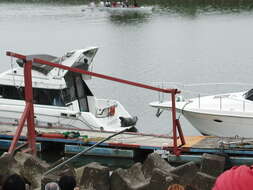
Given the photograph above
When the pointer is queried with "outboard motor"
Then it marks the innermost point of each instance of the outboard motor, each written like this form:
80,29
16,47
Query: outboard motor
129,121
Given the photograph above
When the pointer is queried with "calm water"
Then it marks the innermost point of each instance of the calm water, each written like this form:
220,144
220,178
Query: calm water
179,43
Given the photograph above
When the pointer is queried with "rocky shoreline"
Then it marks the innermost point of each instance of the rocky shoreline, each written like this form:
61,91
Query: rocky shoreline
154,173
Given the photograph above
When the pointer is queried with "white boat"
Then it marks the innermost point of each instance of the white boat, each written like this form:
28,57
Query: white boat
62,99
130,9
226,115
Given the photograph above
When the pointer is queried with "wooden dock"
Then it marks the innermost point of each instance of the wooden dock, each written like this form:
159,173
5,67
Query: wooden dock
128,145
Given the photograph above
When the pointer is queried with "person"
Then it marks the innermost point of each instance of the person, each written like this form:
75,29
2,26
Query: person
135,4
108,3
176,187
125,3
236,178
67,182
52,186
14,181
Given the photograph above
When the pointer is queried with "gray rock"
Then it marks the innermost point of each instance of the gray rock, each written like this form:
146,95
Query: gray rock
186,172
9,165
33,170
153,161
95,176
79,173
203,181
129,179
161,180
212,164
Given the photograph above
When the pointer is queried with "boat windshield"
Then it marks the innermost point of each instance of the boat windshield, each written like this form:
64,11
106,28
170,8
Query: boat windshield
40,96
249,95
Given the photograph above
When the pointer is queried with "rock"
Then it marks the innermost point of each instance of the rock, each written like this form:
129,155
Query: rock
33,170
212,164
186,172
161,180
153,161
79,173
203,181
67,170
9,165
21,157
95,176
129,179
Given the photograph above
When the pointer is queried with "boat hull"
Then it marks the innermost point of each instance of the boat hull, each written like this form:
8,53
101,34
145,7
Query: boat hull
126,9
220,125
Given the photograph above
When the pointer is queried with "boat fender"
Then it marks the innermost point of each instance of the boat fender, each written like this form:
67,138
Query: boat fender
128,121
112,110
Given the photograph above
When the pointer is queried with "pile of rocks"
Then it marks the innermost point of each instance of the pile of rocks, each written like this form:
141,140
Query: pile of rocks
154,173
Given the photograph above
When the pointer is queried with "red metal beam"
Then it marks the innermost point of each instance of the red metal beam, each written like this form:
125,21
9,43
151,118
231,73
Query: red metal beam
105,77
12,54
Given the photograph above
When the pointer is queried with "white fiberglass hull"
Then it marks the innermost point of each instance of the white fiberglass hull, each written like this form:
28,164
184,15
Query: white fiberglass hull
60,117
220,125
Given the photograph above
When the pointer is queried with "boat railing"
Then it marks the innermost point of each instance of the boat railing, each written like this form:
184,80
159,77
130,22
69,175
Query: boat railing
188,92
28,114
238,106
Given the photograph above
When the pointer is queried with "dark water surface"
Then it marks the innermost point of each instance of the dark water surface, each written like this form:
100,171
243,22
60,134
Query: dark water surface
180,42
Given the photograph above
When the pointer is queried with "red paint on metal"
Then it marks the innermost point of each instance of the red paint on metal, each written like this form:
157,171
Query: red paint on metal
180,131
105,77
28,114
124,145
29,99
19,129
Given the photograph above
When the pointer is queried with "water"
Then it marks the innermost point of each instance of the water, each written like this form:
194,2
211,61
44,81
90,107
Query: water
181,42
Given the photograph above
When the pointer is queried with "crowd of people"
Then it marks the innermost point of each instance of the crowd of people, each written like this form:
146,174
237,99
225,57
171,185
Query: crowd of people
17,182
236,178
124,3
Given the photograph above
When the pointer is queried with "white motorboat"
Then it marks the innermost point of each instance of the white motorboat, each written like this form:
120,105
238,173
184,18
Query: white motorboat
61,98
226,115
125,9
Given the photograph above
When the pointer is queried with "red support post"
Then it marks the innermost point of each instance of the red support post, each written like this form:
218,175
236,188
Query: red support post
174,123
180,132
19,129
28,114
31,136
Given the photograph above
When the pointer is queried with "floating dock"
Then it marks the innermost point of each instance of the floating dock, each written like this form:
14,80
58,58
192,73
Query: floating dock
133,145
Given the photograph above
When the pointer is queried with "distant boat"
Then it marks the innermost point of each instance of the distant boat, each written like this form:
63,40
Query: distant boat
126,9
226,115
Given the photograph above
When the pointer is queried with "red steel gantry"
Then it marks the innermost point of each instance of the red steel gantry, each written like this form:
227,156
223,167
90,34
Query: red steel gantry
28,114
